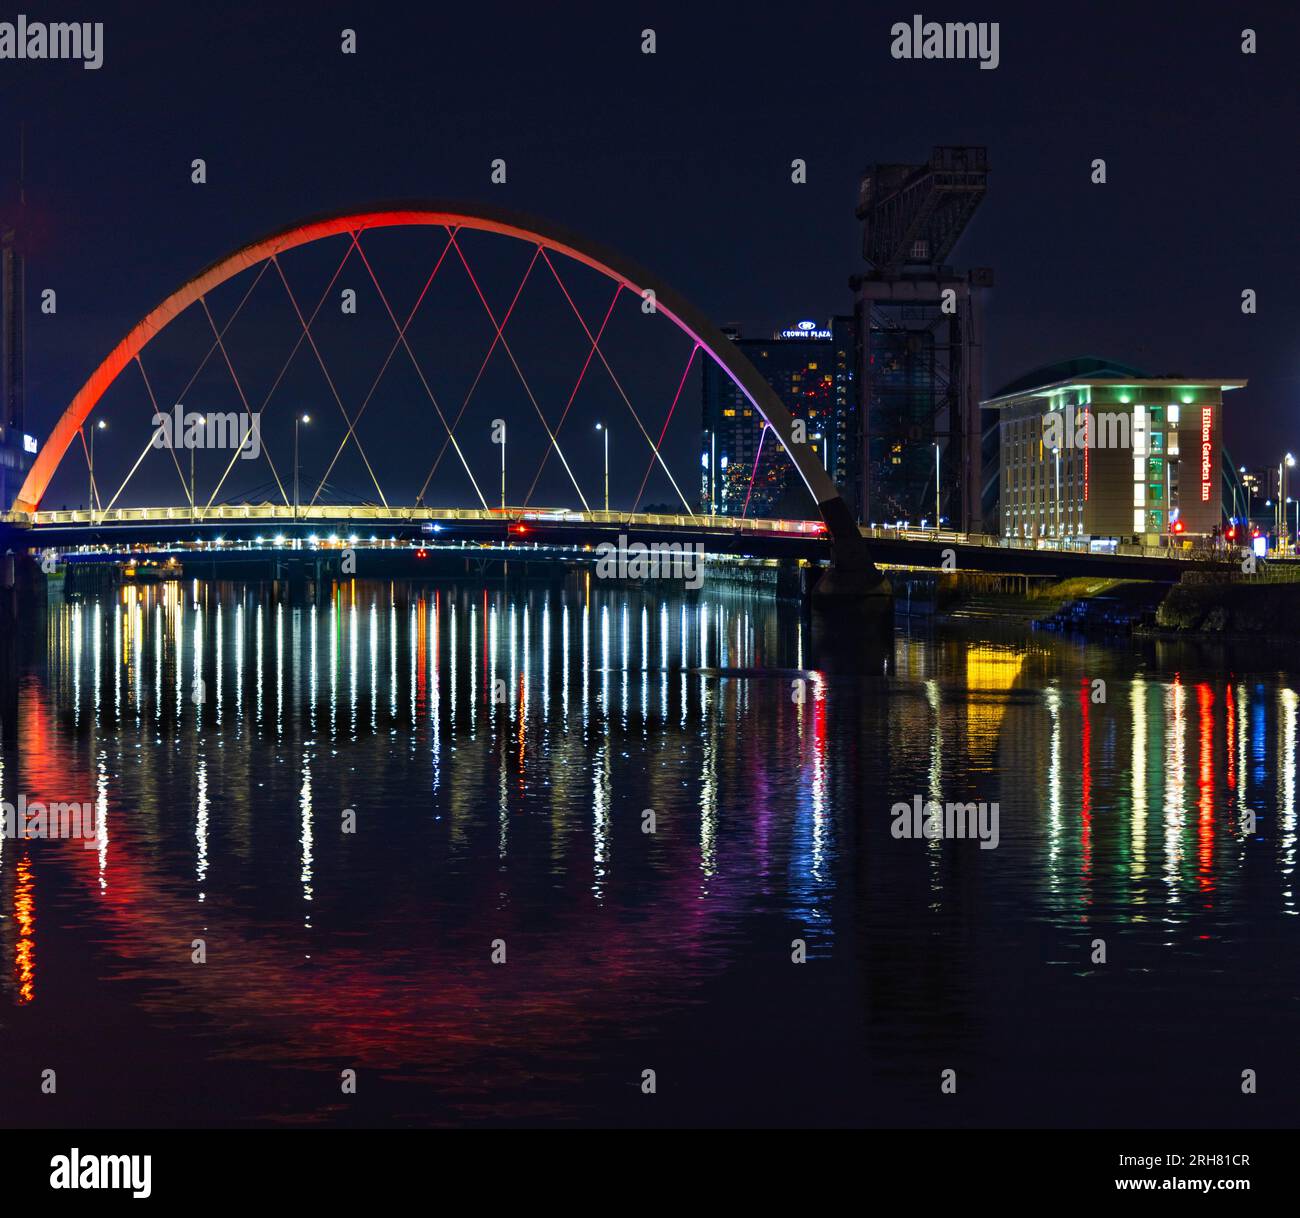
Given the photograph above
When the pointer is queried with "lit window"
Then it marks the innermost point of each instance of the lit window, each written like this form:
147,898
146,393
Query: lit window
1173,444
1139,520
1139,469
1174,412
1139,494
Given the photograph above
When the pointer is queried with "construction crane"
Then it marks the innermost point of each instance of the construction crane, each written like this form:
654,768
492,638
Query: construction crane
919,342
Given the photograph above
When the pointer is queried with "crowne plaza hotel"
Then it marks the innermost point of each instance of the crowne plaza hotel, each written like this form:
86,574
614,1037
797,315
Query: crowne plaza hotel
1095,451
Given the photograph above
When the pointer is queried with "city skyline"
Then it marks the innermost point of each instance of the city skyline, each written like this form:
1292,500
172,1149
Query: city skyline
1117,270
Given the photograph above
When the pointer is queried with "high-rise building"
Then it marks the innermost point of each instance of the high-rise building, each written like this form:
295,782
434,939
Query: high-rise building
744,468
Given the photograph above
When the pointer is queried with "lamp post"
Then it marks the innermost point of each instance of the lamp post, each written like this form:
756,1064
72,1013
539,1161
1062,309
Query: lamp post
1287,463
193,505
1277,510
936,486
713,465
602,427
90,492
306,418
1056,453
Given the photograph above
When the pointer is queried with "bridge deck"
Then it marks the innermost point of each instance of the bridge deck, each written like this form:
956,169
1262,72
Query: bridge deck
281,526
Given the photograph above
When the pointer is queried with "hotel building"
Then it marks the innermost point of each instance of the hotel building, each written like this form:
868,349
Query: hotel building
1091,450
744,468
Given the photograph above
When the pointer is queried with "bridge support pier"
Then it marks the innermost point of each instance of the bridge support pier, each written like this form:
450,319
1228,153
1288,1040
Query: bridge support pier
862,591
852,619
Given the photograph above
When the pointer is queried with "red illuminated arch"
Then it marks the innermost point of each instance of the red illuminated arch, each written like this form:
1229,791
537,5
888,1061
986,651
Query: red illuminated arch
850,550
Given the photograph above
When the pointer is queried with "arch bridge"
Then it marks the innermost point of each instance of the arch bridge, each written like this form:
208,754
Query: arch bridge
852,571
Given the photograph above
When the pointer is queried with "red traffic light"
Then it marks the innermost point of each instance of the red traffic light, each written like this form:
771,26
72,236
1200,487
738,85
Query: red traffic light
1178,526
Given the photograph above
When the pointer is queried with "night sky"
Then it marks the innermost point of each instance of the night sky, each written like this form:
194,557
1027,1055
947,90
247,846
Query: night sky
681,160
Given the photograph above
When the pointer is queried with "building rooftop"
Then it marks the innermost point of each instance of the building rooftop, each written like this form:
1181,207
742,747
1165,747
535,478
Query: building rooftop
1092,370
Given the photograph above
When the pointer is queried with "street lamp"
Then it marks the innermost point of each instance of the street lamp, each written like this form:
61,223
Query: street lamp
200,421
602,427
936,486
713,466
1290,461
306,418
1056,452
90,492
1282,466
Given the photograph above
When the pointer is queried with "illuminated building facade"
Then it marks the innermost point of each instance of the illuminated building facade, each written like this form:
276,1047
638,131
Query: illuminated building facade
1092,450
810,366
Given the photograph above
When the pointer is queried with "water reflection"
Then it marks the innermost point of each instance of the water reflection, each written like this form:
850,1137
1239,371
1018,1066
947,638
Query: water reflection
502,749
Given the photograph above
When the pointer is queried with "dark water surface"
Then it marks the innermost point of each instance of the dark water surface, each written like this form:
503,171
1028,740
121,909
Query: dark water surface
500,750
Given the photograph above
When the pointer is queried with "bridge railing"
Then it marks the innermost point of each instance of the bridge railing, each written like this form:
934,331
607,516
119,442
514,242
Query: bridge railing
375,513
991,540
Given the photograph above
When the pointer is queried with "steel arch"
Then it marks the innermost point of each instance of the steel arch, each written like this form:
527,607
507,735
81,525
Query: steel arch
849,547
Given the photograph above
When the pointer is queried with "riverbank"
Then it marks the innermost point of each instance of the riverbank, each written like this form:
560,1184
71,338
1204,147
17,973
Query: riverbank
1202,605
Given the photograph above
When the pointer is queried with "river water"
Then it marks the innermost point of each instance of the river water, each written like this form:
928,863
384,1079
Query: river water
500,852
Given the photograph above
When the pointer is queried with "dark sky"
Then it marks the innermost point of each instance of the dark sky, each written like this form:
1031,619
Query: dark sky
681,160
